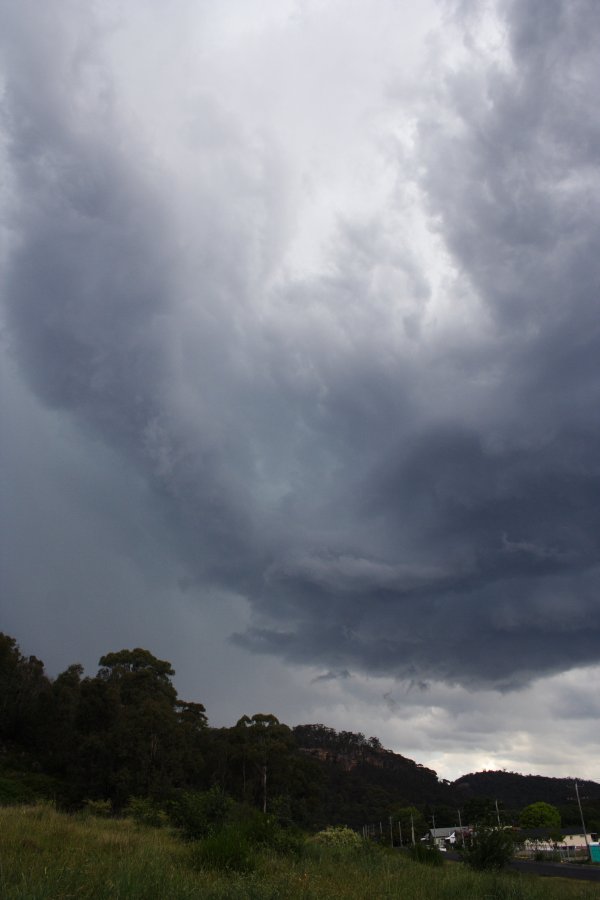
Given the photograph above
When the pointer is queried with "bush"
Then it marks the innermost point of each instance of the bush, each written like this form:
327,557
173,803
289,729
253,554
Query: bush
228,850
27,787
422,853
199,814
14,791
338,836
265,831
234,845
492,848
145,811
102,808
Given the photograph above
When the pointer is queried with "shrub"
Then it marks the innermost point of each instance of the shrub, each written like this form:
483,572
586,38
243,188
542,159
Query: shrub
227,850
102,808
13,790
265,831
338,836
197,814
492,848
145,811
27,787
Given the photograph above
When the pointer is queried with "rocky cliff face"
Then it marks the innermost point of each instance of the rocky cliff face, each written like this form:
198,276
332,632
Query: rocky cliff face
377,757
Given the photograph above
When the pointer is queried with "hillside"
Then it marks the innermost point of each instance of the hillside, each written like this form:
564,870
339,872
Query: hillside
125,733
362,781
515,790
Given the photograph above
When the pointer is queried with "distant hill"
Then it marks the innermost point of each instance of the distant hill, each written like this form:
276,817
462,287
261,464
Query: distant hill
515,790
361,781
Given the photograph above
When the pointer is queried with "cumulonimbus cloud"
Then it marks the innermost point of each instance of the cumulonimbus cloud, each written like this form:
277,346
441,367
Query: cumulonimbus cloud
402,477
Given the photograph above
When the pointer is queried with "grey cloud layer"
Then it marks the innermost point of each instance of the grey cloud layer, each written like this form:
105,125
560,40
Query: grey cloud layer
391,494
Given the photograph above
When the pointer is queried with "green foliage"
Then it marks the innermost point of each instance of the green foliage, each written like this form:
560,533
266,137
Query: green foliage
516,791
46,854
409,818
13,790
235,844
197,813
480,811
227,850
26,787
124,662
145,811
261,747
24,694
540,815
192,715
338,836
491,848
124,733
264,831
101,808
428,855
445,816
359,778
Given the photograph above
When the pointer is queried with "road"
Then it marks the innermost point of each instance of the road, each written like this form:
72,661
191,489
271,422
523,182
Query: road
550,870
562,870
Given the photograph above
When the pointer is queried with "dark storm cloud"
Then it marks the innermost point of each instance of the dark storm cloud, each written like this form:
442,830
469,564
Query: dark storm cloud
332,676
427,507
91,290
502,497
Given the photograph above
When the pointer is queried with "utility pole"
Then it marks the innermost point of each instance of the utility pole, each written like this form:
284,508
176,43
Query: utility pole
400,831
412,829
391,833
497,813
462,834
587,845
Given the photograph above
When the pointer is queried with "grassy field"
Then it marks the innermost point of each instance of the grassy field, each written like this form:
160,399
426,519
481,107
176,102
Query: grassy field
47,854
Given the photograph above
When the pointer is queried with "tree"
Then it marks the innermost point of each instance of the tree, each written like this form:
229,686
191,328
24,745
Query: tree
480,810
540,815
491,848
24,696
412,823
135,739
265,742
62,730
138,673
192,738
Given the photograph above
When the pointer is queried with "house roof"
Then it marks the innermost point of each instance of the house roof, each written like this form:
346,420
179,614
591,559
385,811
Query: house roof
446,832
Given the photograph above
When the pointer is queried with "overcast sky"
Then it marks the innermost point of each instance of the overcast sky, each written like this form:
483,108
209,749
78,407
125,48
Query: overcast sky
301,360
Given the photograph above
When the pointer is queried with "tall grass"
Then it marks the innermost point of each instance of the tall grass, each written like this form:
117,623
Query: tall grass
46,855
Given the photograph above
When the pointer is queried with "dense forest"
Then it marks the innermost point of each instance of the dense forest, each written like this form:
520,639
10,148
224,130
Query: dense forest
124,733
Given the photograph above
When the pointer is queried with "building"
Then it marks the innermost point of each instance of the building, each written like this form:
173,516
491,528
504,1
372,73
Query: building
579,839
447,837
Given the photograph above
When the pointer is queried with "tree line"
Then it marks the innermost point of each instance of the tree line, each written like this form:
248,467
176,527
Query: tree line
124,733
